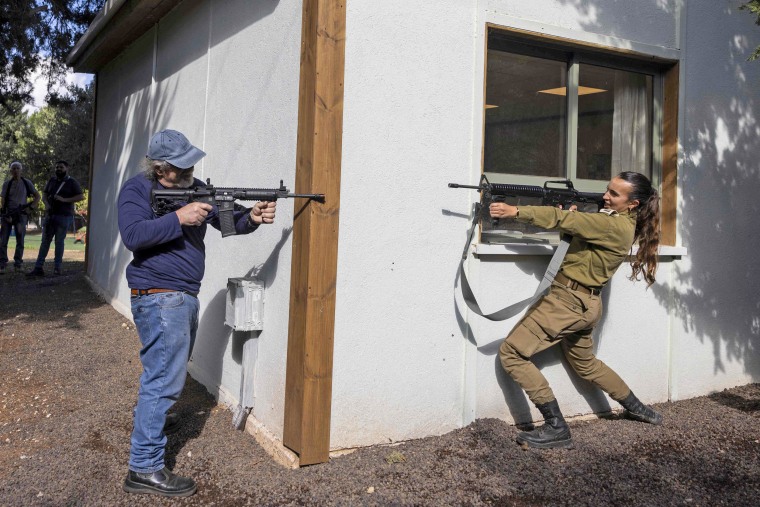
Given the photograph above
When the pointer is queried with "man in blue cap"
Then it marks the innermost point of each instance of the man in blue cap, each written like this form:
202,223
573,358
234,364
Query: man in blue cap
165,277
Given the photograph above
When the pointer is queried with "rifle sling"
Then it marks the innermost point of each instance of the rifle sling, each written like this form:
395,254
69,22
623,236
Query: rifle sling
513,309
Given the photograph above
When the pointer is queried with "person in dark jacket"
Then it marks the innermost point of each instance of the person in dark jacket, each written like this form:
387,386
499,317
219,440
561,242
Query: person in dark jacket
60,194
164,277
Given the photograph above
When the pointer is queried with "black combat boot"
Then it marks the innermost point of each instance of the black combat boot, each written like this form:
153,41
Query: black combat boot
637,411
554,433
162,483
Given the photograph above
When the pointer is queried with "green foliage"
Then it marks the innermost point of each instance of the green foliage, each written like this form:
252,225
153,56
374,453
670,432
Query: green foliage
753,6
37,35
59,131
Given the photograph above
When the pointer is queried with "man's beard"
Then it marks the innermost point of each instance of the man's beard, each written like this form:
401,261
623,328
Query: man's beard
185,180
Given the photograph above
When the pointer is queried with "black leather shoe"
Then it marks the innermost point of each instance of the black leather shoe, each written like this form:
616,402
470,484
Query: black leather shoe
172,423
162,483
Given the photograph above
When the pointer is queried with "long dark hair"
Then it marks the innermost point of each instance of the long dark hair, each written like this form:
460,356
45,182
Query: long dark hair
647,225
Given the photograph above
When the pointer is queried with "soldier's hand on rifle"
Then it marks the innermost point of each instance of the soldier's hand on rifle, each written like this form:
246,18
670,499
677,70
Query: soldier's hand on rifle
263,212
193,214
502,210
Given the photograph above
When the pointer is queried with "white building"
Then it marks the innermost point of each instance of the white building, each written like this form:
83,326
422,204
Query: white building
379,105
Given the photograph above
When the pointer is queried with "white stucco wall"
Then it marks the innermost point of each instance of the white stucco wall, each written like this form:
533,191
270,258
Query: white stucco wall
225,74
716,313
408,119
409,359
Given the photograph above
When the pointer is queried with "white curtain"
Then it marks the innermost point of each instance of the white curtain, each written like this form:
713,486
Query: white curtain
631,123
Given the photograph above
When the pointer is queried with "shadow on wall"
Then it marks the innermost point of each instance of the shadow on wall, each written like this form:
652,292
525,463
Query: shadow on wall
233,17
259,109
119,153
214,336
714,295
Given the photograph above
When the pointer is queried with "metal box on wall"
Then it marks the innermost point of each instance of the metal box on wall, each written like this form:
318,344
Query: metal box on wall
245,304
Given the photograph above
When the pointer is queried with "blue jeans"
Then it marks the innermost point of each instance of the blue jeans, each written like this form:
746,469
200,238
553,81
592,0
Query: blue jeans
53,226
5,235
167,323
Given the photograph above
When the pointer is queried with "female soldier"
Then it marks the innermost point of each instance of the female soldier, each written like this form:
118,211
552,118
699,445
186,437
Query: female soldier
569,312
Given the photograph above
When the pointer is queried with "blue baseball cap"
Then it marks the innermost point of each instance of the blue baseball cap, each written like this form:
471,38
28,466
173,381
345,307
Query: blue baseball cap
173,147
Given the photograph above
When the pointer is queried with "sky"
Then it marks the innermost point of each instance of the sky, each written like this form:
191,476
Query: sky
40,88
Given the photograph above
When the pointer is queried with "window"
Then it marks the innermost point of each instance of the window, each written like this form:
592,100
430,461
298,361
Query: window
566,111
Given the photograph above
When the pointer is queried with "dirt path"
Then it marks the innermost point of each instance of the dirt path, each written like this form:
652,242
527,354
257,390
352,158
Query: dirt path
69,379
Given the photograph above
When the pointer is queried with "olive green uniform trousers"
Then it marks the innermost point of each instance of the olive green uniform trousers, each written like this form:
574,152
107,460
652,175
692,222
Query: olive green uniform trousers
567,317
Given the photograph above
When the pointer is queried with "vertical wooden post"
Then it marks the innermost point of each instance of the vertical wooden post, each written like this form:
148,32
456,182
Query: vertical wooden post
308,386
669,197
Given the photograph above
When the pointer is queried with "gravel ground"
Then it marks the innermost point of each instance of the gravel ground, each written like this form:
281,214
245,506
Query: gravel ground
70,371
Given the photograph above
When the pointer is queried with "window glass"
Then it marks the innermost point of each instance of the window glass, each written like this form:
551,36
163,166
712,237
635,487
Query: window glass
552,112
614,123
524,122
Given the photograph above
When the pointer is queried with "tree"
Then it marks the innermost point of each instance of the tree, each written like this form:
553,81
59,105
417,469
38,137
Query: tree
59,131
753,6
37,35
12,123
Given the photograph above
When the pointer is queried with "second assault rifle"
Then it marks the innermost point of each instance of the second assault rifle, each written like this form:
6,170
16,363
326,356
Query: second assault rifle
556,193
167,200
562,196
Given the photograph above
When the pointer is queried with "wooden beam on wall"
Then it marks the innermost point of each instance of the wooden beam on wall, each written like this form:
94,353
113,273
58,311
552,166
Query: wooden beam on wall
669,197
308,386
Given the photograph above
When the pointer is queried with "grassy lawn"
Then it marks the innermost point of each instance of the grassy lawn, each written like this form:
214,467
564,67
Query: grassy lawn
71,252
32,241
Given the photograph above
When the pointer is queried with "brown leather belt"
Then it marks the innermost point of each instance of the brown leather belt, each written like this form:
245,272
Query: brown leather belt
572,284
144,292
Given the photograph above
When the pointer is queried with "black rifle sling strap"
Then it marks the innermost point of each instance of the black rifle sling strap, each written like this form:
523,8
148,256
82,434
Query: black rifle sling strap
513,309
29,187
7,195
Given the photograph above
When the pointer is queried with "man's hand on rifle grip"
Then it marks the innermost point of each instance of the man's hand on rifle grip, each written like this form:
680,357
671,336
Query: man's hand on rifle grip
263,212
193,214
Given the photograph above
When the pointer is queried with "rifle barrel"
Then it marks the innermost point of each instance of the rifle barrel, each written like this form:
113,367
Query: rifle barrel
315,197
457,185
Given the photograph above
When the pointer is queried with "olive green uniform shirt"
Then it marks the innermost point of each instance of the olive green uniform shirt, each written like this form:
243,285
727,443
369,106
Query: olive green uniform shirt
601,241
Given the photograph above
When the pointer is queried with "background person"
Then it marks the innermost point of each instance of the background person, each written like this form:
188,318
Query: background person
568,313
59,196
165,277
14,197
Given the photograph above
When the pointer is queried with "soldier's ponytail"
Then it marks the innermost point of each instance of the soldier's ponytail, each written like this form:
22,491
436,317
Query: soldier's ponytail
647,226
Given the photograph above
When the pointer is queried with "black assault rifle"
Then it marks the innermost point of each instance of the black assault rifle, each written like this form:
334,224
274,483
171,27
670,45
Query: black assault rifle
556,196
169,200
564,196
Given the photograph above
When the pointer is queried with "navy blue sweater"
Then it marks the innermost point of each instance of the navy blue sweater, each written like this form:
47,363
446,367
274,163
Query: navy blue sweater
165,254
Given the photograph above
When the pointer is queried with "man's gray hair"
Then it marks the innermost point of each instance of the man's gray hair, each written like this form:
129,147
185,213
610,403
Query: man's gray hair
16,163
150,167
